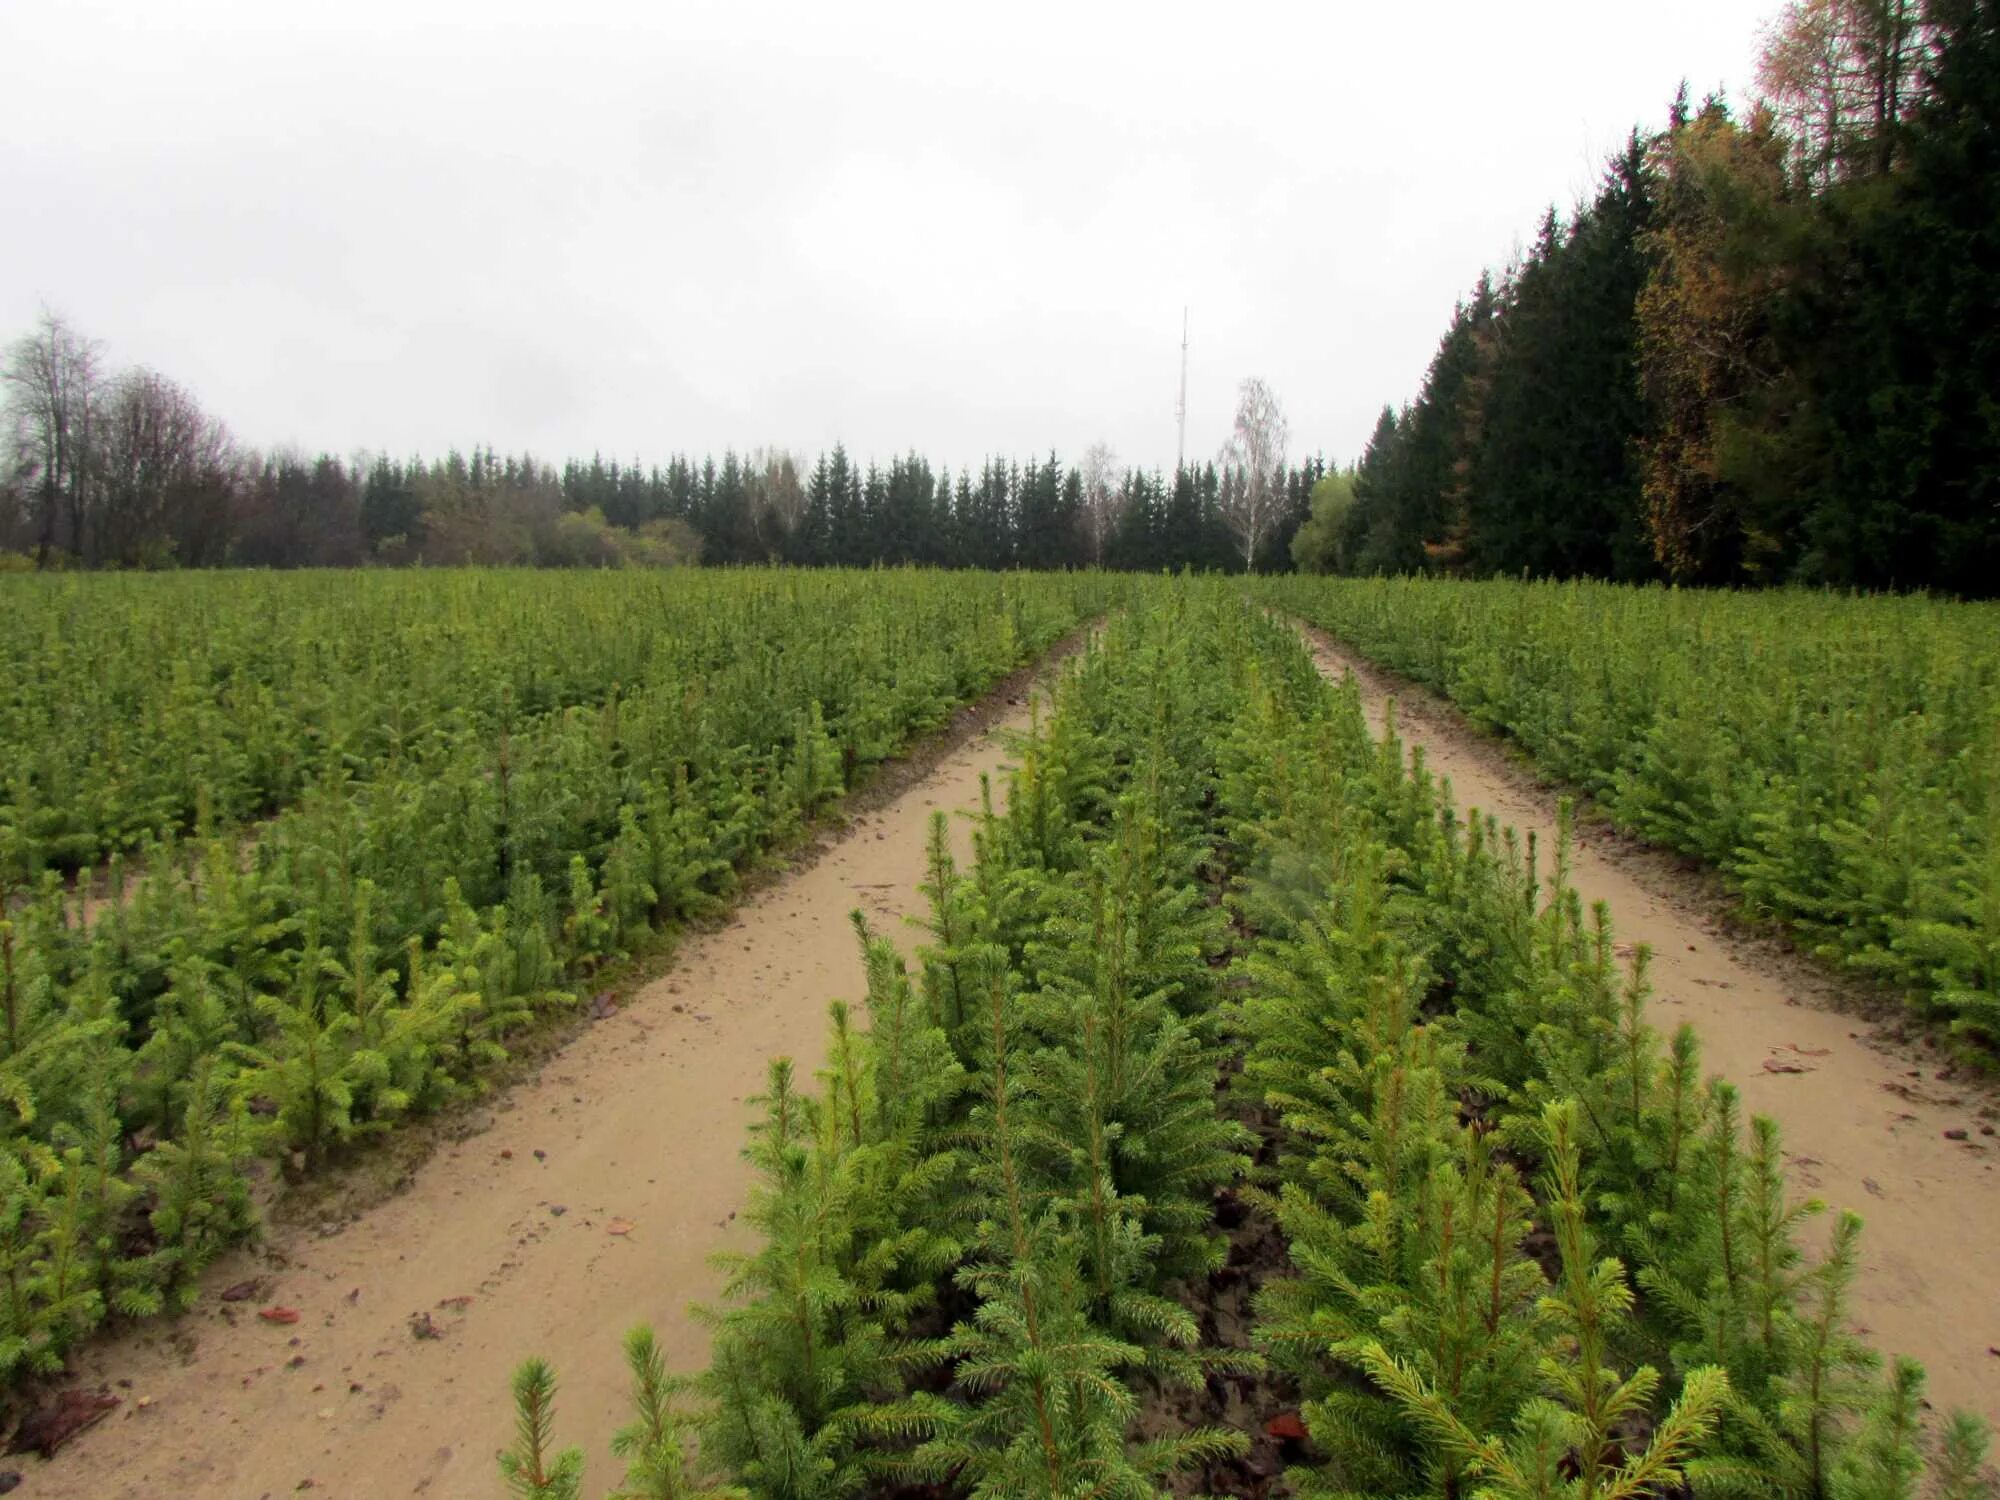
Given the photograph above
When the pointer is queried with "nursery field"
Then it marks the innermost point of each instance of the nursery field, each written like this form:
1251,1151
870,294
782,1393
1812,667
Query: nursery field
1249,1122
1171,1090
1836,758
350,833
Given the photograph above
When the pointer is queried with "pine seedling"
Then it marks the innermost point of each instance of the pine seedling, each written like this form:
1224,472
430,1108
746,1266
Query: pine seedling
655,1443
915,1198
55,1043
896,1193
1725,1244
1307,988
1575,1015
587,939
200,1200
1959,1471
1458,1309
950,977
686,872
1788,1441
191,1021
629,897
753,1432
424,1029
844,1111
1118,1257
1884,1460
480,961
1771,1254
371,990
1591,1302
1050,1410
1007,895
93,1148
1061,774
535,966
1126,1094
813,771
1570,1442
532,1468
28,1344
306,1068
806,1346
68,1250
916,1076
1677,1116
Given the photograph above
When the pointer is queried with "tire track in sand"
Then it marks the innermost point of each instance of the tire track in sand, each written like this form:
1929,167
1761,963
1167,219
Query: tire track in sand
1864,1123
640,1118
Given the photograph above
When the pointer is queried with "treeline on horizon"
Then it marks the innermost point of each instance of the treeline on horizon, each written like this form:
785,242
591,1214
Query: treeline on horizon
126,470
290,511
1767,350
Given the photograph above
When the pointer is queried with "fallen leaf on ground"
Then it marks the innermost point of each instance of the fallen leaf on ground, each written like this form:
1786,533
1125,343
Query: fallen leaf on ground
243,1291
1779,1065
618,1226
1286,1424
47,1428
278,1314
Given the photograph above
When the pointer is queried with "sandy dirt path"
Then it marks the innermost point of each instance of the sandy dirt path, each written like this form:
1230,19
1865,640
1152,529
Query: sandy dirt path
640,1119
1864,1121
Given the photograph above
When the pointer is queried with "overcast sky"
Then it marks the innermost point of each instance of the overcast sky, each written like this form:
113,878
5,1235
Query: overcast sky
649,227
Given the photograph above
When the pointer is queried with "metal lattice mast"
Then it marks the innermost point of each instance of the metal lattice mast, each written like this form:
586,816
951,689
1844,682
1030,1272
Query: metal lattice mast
1180,406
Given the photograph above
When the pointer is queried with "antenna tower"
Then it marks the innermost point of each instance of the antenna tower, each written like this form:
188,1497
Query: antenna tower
1180,406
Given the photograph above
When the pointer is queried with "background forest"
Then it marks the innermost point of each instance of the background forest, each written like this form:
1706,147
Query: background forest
1766,350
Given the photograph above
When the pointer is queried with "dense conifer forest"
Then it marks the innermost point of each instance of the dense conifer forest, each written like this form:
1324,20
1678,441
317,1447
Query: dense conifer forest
1765,351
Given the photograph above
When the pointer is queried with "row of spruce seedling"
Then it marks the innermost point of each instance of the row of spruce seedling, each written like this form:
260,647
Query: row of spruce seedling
1534,1251
1836,758
973,1226
372,953
1538,1252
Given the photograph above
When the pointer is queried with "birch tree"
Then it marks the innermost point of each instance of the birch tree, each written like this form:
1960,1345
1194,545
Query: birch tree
1100,499
1253,468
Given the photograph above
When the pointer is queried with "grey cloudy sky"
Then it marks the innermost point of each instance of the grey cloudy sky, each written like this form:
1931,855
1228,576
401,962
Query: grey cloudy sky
648,227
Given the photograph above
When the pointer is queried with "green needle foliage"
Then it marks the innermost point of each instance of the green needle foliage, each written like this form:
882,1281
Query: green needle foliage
1534,1251
1429,1009
532,1468
337,842
656,1444
1834,757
